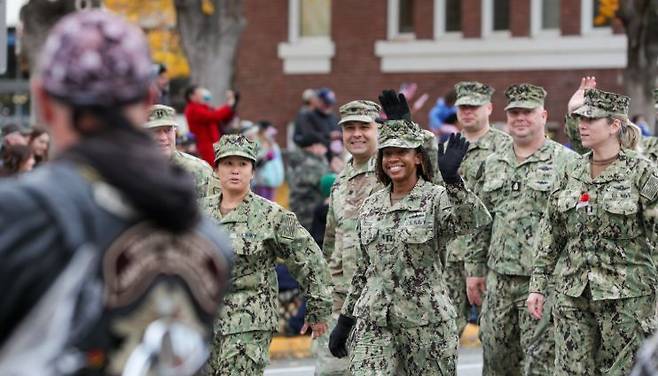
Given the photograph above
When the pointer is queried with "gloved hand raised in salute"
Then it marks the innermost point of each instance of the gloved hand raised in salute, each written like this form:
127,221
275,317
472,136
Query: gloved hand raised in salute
338,337
394,105
451,157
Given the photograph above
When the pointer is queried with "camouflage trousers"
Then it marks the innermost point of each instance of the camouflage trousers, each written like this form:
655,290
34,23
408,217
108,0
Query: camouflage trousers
600,337
325,363
513,342
455,277
236,354
425,350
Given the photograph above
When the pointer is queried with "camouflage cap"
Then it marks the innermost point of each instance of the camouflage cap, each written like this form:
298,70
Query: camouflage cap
161,116
525,96
599,104
400,134
473,93
361,111
237,145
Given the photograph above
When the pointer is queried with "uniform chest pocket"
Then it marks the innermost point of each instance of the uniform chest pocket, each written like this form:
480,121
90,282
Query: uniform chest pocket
368,234
247,242
542,183
416,235
567,200
494,184
620,205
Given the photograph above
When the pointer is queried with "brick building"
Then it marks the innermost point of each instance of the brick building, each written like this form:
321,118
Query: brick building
360,47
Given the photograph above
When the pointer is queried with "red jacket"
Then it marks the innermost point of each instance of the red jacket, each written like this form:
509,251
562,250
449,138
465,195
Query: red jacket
204,121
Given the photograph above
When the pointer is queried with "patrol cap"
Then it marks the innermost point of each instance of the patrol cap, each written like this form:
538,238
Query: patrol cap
473,93
362,111
161,116
599,104
235,145
400,134
525,95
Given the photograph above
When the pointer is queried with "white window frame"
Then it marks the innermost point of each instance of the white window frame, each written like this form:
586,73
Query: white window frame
393,22
587,21
487,21
440,22
536,30
304,55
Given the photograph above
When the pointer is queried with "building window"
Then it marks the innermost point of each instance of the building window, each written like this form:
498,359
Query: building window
406,17
500,15
453,16
550,14
597,15
315,18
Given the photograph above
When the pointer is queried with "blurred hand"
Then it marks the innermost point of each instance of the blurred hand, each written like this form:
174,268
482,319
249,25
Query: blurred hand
230,98
578,98
317,329
475,287
535,304
395,106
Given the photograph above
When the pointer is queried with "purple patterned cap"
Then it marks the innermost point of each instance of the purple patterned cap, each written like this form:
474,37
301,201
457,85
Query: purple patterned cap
94,57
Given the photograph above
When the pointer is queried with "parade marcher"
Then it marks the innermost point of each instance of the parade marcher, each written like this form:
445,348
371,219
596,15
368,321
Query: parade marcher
262,233
108,267
594,241
514,183
353,185
203,120
405,322
161,124
473,110
305,168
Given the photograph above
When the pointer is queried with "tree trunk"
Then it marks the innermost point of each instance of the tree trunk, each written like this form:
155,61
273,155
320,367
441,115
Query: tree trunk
37,18
210,41
640,19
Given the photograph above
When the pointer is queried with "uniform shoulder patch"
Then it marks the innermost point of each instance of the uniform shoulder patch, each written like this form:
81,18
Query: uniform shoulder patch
650,188
288,226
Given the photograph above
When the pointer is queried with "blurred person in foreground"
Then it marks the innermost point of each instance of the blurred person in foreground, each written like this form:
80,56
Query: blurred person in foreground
161,124
16,159
108,266
203,120
39,142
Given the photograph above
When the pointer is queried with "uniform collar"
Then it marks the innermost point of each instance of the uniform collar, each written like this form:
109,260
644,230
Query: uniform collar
413,201
544,153
617,171
240,213
486,142
351,170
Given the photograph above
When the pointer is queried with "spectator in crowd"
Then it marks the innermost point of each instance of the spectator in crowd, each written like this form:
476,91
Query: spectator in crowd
306,166
162,85
13,134
319,121
16,159
443,116
269,167
203,120
39,142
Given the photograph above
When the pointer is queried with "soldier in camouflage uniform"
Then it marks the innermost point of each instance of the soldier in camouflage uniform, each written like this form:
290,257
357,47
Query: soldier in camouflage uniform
306,166
161,124
406,322
650,144
262,232
514,183
353,185
595,242
473,110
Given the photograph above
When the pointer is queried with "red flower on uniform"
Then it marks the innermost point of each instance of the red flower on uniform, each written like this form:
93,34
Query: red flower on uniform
584,197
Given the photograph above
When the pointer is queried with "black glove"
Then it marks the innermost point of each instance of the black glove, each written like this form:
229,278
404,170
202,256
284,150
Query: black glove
236,96
338,337
451,158
395,106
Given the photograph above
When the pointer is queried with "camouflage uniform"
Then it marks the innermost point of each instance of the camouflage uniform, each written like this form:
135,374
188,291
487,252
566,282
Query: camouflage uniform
204,177
595,241
262,232
650,144
341,243
469,94
406,322
516,194
304,172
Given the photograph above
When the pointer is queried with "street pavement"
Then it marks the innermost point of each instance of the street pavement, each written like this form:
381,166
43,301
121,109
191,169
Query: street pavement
469,364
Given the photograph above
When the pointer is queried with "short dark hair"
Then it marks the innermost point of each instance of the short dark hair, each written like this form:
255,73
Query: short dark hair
426,170
189,91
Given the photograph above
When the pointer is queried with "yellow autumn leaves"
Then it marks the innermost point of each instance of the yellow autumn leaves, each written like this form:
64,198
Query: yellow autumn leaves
607,9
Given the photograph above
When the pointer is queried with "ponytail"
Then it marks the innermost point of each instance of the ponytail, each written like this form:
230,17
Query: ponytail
629,135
